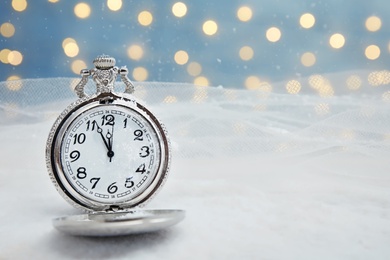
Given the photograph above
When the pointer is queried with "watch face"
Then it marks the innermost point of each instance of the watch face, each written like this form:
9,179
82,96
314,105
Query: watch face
110,154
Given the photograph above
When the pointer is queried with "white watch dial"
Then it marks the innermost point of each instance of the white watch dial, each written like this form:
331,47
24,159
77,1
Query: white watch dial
110,154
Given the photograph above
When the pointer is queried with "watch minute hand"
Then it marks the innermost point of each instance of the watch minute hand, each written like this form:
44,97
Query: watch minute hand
100,131
109,136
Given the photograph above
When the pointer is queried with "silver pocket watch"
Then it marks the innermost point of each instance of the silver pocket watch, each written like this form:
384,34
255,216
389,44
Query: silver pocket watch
109,155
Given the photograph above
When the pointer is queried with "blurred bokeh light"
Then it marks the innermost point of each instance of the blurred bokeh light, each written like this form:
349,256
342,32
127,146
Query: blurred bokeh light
240,44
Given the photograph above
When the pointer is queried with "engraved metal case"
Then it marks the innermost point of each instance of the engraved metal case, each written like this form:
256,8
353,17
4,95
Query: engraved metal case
53,151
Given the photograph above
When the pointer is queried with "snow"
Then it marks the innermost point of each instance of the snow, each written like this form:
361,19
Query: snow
281,183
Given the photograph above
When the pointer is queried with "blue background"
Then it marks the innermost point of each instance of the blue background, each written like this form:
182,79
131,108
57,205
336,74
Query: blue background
41,28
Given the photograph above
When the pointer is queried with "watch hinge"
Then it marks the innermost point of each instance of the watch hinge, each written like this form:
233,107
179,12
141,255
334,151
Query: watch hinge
114,208
106,100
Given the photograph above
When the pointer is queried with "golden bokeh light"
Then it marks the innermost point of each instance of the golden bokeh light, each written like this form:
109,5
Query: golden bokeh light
347,134
354,82
293,87
201,81
386,98
386,77
264,90
194,69
11,109
179,9
77,66
230,94
15,58
66,41
7,30
13,77
145,18
181,57
82,10
239,128
308,59
12,85
201,93
252,82
316,81
170,99
373,23
377,78
283,147
74,82
4,56
135,52
322,109
244,13
114,5
246,53
255,83
337,41
372,52
210,27
265,87
307,20
140,74
321,85
71,49
19,5
273,34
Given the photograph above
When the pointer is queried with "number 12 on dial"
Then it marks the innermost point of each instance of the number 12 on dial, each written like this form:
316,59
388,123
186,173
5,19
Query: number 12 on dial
110,153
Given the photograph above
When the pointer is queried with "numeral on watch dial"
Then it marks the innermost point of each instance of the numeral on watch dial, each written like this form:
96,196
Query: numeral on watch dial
108,152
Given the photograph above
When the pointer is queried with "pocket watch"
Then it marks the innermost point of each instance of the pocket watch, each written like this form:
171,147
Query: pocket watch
108,154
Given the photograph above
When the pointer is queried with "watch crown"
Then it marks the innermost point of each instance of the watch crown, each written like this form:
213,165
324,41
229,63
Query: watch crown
104,62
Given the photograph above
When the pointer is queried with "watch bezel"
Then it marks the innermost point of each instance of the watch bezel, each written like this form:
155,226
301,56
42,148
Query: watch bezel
59,129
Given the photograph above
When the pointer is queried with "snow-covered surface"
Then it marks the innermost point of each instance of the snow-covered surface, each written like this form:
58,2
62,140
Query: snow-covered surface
261,176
